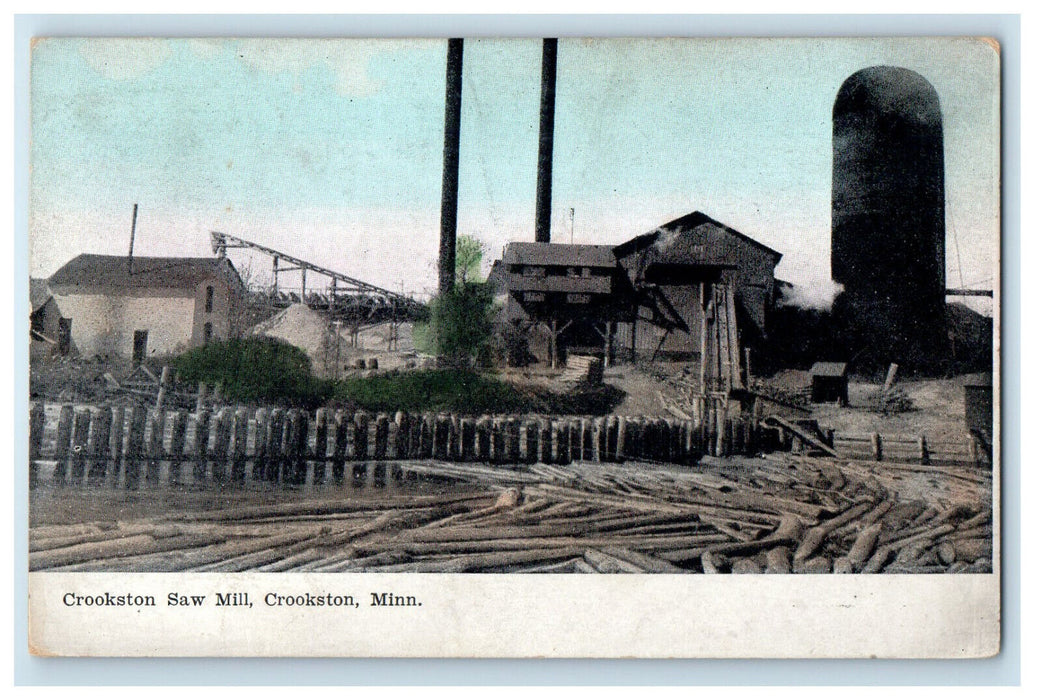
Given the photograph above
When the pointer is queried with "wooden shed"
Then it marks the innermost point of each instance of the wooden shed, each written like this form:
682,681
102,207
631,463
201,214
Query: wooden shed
829,383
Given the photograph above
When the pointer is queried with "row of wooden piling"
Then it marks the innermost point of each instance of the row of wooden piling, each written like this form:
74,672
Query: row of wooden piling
87,441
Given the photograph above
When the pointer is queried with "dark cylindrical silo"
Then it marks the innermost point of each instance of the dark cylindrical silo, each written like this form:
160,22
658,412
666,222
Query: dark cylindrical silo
888,215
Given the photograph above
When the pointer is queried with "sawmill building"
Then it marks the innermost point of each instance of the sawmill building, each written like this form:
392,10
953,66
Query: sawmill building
673,267
646,297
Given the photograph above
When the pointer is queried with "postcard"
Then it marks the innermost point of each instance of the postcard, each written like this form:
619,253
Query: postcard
515,347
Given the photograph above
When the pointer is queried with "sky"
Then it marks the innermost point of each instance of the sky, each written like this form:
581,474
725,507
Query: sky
331,150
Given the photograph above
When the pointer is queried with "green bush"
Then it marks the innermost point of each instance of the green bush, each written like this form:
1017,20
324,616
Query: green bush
254,369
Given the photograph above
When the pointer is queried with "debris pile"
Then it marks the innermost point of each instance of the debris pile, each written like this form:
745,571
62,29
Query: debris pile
763,516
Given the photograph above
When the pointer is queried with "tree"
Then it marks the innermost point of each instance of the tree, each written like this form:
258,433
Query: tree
462,320
469,252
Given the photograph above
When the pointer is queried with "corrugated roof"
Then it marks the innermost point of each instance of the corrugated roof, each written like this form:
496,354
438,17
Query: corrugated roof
829,369
688,222
107,271
571,254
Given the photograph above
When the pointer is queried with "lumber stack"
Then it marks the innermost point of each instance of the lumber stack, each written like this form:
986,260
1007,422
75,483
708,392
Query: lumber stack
582,369
792,515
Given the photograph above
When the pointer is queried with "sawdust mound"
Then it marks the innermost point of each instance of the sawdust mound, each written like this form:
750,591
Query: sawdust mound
301,327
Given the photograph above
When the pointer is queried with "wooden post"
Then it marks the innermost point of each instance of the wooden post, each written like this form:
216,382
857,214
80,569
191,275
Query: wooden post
575,427
260,445
973,450
924,451
273,446
321,445
416,436
441,436
178,430
553,344
513,440
498,441
401,435
100,425
380,436
298,448
891,377
611,438
530,441
116,434
154,445
453,446
642,443
360,437
240,435
620,438
426,442
546,441
200,398
721,430
340,421
80,433
135,447
37,419
484,438
164,383
877,447
466,430
201,446
221,443
597,440
557,443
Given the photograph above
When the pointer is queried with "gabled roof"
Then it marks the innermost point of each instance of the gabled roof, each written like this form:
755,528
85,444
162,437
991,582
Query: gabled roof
688,222
112,271
38,292
566,254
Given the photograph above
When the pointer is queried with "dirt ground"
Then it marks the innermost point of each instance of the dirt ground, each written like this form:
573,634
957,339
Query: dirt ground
939,410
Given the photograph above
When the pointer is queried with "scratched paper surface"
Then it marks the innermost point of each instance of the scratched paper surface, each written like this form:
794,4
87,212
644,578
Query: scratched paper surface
413,341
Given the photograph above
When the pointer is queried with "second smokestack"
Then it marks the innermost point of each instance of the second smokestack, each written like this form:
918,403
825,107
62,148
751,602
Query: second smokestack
450,166
544,166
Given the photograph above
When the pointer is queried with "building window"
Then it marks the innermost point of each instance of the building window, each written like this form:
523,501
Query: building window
207,333
209,299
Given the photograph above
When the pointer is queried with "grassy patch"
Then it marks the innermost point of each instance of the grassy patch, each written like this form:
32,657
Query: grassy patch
459,391
467,392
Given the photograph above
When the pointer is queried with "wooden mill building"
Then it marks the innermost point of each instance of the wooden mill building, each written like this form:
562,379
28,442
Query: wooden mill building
672,268
645,298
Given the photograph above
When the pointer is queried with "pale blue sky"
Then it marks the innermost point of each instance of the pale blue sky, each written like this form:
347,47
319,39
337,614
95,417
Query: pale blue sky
331,149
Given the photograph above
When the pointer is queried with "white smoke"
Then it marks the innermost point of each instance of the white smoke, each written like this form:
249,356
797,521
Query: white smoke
811,297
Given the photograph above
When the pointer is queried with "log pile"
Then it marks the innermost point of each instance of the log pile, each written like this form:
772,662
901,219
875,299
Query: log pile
791,515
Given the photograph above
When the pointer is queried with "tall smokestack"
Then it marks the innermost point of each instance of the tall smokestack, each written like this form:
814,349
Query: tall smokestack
544,167
450,166
130,254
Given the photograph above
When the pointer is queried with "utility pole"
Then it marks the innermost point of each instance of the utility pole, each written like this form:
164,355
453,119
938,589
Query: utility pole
133,229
